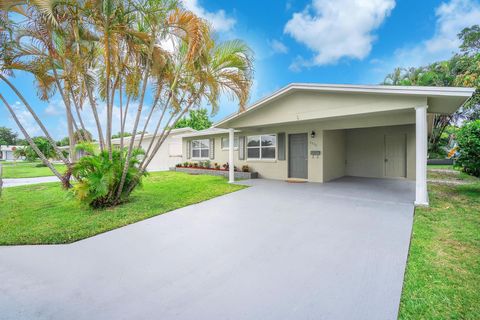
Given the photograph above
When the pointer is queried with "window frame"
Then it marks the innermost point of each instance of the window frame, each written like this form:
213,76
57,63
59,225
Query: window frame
259,147
199,149
235,139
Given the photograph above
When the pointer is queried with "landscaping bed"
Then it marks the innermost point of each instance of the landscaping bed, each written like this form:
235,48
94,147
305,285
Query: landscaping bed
216,172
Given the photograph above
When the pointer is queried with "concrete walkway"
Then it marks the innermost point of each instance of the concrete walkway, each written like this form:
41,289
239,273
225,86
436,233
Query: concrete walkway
272,251
27,181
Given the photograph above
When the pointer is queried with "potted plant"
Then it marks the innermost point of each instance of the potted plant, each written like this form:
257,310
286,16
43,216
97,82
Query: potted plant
245,168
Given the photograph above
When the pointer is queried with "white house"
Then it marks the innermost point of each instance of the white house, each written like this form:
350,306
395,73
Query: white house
321,132
7,153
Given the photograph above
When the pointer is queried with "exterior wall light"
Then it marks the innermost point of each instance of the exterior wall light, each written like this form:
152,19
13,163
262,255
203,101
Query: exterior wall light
313,134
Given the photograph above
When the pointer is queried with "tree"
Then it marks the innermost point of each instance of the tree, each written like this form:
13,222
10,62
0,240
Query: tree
7,136
460,70
118,52
45,147
468,139
121,134
197,119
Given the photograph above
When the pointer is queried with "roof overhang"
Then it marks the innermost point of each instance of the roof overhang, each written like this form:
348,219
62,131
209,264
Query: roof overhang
439,99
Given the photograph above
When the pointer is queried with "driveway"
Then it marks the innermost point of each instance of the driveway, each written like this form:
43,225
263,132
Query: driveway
272,251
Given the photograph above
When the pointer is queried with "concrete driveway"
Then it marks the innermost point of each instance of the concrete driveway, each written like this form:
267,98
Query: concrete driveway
272,251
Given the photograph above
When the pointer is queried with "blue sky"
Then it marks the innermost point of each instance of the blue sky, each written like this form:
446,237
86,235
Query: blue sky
324,41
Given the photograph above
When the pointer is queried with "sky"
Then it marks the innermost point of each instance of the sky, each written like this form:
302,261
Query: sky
315,41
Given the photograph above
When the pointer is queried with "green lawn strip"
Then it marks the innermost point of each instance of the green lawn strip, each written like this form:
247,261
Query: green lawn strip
46,214
443,270
28,170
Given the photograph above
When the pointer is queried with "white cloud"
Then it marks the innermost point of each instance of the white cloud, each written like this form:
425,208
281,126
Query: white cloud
451,18
219,19
25,119
55,108
278,46
337,29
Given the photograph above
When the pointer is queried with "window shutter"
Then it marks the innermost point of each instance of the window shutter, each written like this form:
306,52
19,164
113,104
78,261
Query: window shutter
212,148
241,148
189,149
281,145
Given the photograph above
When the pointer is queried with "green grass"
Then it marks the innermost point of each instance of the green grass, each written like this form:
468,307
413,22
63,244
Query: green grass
45,214
21,169
440,166
442,279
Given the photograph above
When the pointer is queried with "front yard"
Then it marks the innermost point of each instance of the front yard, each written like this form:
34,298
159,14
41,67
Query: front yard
20,169
443,272
45,214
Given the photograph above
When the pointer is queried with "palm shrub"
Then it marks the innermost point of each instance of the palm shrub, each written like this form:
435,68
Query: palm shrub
98,177
468,139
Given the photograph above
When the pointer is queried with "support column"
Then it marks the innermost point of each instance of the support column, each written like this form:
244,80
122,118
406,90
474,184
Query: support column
421,143
231,172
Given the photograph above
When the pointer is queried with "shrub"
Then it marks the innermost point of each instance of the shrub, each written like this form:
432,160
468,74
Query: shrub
207,164
468,139
98,177
195,165
185,164
245,168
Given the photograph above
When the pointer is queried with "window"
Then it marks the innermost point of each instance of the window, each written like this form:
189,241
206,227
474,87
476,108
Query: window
201,149
261,147
225,143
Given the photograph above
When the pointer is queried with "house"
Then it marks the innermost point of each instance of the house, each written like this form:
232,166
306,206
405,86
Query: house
321,132
7,153
169,154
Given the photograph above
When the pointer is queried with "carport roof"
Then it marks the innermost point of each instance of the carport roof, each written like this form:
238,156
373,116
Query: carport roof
440,99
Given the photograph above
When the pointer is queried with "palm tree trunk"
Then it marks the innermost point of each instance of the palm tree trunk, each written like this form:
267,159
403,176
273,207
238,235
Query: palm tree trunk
93,105
79,116
148,119
122,128
30,141
37,120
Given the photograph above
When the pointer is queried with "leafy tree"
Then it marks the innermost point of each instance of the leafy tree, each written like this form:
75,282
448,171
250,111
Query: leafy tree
470,39
7,136
121,134
197,119
460,70
43,145
468,139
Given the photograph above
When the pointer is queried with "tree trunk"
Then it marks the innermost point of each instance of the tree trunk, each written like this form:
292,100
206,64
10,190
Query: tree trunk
93,105
32,144
37,120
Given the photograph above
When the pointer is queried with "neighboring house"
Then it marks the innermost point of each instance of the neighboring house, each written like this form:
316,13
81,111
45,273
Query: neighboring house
7,153
167,156
317,133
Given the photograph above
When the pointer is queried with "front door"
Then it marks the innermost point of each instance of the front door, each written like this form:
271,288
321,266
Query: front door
395,156
298,156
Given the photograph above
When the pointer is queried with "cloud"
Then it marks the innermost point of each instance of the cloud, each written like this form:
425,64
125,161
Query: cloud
55,108
451,18
337,29
278,46
26,119
219,19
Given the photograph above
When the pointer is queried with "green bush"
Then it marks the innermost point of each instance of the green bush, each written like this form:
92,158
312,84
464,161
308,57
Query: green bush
468,139
98,178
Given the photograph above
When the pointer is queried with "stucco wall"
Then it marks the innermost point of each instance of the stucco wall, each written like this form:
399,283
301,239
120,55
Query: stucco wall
366,150
166,157
278,169
334,154
311,106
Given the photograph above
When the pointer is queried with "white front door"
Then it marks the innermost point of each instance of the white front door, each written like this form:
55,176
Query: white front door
395,156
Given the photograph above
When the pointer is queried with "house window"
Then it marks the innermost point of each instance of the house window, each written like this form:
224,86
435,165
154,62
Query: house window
225,143
261,147
200,149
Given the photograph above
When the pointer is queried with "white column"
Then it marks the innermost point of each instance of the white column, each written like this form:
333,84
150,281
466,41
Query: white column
231,172
421,140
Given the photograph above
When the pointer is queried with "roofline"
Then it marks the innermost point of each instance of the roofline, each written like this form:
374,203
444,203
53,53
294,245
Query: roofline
351,88
206,133
149,135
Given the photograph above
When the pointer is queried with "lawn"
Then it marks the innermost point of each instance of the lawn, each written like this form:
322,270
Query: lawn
442,279
45,214
21,169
